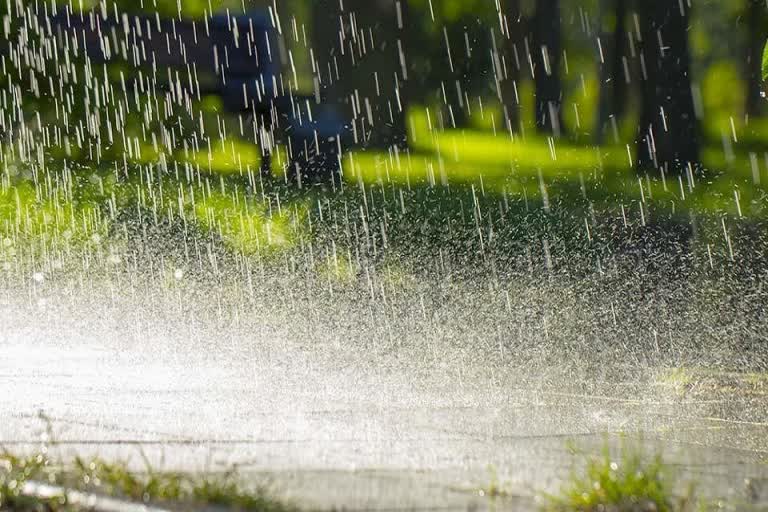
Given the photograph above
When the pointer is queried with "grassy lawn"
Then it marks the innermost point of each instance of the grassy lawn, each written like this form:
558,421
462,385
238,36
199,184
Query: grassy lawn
221,190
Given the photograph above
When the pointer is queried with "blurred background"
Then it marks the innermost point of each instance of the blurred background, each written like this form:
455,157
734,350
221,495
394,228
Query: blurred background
646,83
333,137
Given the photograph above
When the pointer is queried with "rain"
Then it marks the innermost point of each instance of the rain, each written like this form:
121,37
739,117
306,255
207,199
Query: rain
388,254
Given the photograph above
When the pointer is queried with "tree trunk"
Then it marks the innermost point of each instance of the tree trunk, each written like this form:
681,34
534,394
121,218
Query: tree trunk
668,127
756,37
512,61
361,51
405,81
466,41
546,55
612,57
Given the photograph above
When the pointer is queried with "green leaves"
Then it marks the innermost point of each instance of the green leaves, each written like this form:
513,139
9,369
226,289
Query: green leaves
765,63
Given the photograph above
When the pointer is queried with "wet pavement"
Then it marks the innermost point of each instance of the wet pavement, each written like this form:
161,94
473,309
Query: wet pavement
315,407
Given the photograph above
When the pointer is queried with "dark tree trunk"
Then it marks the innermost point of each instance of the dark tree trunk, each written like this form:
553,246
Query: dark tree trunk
612,55
326,48
361,53
405,44
756,37
512,61
546,54
466,42
668,127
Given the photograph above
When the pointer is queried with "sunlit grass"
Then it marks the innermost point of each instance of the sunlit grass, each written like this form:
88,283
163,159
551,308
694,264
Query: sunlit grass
228,156
74,207
623,482
528,153
337,268
248,225
118,480
47,220
535,166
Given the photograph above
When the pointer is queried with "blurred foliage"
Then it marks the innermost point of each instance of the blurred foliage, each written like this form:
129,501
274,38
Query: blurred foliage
165,8
717,53
765,63
434,13
719,77
480,152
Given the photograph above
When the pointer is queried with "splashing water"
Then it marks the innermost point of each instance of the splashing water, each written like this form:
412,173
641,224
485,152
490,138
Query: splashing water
207,260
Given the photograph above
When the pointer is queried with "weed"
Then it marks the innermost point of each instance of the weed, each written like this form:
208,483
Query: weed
628,482
118,480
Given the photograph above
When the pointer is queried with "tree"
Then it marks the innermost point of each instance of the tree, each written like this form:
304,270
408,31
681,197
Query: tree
360,50
668,127
546,56
514,35
756,36
464,76
612,49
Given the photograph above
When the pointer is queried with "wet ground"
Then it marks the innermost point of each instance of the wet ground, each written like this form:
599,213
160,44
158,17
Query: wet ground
332,419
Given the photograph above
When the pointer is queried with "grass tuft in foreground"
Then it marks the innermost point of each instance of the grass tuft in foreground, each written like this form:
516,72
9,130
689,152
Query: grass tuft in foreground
15,471
628,482
179,491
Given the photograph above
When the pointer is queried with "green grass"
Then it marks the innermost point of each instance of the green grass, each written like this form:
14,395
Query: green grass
188,491
692,381
624,482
